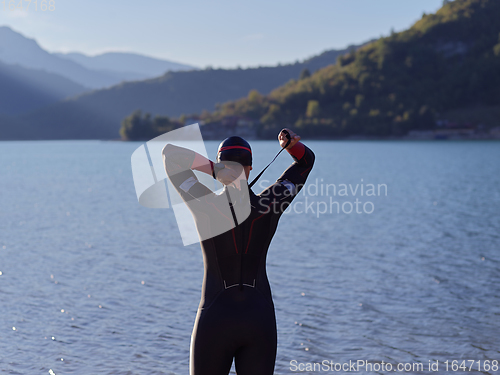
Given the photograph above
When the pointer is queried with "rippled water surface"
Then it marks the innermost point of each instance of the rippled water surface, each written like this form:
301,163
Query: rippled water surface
93,283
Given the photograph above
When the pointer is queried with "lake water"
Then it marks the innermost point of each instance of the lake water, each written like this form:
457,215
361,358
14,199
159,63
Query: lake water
93,283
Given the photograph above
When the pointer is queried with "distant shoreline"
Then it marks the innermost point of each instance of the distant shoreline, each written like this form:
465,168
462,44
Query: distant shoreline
312,138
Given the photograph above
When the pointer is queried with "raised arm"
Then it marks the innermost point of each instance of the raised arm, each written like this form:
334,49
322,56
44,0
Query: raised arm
289,184
303,160
176,158
179,163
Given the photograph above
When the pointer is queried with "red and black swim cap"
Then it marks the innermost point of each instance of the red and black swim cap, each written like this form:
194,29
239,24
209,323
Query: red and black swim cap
235,149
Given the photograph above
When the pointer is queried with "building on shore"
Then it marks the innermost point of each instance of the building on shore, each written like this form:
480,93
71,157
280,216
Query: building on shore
495,132
446,129
453,134
228,126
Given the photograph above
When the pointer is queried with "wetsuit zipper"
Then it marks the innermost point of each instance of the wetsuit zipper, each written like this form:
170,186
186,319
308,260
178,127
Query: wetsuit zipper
237,229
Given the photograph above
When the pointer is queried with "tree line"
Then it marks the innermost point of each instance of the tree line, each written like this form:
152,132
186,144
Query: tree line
405,81
401,82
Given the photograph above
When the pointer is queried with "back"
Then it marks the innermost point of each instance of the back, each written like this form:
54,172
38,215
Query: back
237,258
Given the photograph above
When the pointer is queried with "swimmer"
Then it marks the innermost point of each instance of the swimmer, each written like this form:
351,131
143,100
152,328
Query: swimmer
236,318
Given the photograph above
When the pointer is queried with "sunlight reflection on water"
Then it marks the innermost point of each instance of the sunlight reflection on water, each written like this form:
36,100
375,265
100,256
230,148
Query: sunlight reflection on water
91,282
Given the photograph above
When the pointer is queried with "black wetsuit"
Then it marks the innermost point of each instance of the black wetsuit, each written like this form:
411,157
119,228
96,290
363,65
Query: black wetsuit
236,314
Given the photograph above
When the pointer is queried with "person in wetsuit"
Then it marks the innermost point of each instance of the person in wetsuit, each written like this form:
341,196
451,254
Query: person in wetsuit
236,317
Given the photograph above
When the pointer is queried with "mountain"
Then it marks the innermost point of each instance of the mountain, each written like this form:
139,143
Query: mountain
446,63
17,49
91,72
23,89
98,114
131,66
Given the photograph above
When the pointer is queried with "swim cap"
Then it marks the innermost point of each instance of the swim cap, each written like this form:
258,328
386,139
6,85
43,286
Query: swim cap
235,149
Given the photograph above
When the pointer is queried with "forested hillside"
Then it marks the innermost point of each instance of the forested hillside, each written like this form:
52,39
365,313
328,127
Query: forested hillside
98,114
446,61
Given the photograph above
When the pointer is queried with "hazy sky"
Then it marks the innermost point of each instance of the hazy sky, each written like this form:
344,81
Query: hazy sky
215,33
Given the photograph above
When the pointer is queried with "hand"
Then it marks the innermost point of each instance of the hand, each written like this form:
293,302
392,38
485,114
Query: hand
283,139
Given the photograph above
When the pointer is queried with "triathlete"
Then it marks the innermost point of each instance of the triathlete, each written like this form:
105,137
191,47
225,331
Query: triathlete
236,316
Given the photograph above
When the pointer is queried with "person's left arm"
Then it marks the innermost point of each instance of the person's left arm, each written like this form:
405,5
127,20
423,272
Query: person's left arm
179,164
289,184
